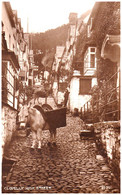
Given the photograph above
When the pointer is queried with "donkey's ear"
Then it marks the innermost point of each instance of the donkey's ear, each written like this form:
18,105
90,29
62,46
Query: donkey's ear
29,104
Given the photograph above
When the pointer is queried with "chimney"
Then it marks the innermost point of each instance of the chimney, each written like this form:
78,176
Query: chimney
72,18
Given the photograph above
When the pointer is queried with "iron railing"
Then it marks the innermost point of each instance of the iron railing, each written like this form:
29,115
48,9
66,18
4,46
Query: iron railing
104,104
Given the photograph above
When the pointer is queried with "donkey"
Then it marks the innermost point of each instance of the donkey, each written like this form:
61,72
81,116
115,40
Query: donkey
39,92
37,120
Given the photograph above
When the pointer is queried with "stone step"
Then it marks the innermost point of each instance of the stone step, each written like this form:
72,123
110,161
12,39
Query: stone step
86,133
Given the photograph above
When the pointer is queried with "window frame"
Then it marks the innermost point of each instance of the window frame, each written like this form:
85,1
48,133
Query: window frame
10,85
87,59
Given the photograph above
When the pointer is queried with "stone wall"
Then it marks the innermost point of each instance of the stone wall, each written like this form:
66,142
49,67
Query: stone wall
108,141
8,121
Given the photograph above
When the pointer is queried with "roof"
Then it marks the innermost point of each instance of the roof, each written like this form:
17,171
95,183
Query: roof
10,12
84,17
95,10
15,15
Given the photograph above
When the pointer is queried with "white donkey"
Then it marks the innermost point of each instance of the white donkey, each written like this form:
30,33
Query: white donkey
35,117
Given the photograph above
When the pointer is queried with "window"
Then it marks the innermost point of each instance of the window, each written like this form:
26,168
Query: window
85,86
8,83
22,78
90,58
92,49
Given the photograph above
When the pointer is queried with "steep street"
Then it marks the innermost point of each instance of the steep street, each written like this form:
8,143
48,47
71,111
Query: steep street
60,72
73,166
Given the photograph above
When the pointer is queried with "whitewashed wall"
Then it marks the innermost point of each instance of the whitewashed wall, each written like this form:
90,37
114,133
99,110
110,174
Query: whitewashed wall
76,100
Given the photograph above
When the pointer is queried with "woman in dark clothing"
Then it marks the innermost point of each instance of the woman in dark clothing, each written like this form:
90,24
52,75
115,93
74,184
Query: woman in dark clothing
66,95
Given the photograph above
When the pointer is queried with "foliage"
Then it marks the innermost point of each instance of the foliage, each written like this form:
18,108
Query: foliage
49,39
26,91
63,73
29,92
81,41
105,21
108,22
38,61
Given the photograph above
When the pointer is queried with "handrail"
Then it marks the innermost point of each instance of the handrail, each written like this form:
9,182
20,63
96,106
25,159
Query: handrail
104,101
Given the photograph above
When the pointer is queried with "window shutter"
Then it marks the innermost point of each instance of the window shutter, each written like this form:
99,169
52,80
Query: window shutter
85,86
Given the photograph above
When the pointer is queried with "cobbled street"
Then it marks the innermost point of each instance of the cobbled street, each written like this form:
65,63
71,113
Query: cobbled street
73,166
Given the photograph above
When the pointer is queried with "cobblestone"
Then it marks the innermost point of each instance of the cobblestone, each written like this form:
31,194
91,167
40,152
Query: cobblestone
73,166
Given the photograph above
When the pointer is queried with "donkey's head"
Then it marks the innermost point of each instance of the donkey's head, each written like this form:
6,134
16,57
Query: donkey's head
23,113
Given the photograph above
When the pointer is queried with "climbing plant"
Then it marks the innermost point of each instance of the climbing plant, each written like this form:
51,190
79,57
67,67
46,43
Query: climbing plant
106,20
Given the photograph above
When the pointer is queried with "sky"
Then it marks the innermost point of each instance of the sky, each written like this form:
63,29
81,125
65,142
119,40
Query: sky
43,15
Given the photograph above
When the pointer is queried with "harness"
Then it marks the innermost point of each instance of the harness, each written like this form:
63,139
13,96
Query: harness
40,109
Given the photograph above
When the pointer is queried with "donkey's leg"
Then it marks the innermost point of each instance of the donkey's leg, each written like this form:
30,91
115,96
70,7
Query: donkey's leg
51,135
39,136
54,136
33,138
